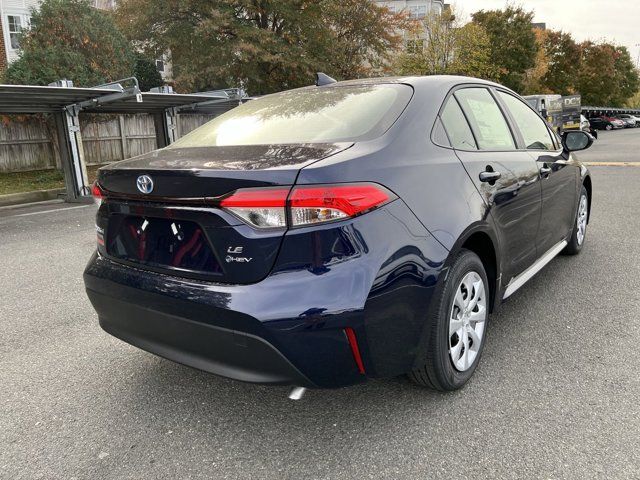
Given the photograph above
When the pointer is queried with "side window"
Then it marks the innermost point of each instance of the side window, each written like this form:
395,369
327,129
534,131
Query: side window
439,136
487,121
457,127
534,130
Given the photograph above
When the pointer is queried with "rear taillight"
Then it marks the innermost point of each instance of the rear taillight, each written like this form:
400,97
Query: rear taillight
304,205
259,207
97,193
325,203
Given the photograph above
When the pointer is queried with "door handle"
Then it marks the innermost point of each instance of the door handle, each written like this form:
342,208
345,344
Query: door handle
489,176
545,170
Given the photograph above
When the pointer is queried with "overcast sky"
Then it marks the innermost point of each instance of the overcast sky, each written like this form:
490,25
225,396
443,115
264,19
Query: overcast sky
613,20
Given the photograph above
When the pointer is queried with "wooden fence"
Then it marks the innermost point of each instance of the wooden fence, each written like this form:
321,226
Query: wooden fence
29,143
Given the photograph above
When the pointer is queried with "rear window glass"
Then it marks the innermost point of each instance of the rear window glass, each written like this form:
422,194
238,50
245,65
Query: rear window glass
309,115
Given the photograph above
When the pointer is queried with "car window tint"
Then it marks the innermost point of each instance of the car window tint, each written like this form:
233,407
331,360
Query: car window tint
457,127
533,128
487,121
439,136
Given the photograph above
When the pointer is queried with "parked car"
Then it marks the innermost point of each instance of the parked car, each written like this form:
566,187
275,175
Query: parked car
606,123
327,235
629,120
585,126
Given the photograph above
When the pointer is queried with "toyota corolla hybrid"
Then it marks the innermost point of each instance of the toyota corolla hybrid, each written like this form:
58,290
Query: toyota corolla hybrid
323,236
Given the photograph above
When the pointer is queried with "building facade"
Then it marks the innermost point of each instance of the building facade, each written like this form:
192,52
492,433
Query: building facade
16,15
416,8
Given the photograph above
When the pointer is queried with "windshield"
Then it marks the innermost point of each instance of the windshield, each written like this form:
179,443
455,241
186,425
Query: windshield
309,115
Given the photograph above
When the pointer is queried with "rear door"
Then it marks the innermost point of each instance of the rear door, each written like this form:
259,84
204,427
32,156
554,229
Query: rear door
507,178
559,177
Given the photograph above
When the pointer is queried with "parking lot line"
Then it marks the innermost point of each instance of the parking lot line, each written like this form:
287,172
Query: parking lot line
612,164
51,211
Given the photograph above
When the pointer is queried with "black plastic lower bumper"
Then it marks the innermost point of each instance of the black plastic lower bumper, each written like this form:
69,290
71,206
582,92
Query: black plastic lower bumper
217,350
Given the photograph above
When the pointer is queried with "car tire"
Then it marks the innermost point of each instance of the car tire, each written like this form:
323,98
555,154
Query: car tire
441,363
579,232
609,127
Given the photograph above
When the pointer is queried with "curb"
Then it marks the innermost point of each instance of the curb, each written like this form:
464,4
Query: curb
30,197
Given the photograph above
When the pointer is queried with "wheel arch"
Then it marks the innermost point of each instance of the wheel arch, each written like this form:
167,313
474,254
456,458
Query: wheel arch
480,240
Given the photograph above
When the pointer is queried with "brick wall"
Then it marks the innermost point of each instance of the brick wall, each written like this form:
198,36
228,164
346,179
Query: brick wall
3,52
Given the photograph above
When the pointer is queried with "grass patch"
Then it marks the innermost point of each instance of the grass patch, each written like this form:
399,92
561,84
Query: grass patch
18,182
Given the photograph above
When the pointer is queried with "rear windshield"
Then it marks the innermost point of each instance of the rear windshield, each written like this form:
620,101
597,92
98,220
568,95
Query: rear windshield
309,115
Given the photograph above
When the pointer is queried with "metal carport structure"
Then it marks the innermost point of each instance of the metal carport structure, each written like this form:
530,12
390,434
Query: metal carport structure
590,112
66,104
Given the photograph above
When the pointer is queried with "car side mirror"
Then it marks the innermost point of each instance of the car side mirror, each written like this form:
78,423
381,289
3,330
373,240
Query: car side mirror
574,141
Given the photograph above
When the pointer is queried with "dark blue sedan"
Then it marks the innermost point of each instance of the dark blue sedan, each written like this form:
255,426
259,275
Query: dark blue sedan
323,236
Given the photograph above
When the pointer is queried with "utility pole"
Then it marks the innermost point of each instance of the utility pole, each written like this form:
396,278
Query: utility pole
638,61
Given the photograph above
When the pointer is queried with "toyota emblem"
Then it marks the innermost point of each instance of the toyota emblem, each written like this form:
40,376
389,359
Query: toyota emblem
145,184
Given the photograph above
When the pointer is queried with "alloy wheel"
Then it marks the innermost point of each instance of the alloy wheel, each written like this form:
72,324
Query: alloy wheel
467,321
582,219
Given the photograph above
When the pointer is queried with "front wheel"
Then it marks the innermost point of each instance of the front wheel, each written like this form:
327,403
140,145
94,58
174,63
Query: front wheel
458,322
579,233
609,127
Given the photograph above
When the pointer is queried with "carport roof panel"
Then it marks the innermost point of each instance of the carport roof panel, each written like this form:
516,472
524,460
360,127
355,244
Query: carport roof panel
38,99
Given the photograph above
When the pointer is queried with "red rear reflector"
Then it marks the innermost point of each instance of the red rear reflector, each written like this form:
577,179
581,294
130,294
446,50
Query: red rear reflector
353,343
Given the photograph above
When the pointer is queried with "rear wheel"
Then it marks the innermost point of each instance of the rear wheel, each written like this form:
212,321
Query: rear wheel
579,232
458,327
609,127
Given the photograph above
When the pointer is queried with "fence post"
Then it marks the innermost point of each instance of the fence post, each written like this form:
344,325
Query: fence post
123,137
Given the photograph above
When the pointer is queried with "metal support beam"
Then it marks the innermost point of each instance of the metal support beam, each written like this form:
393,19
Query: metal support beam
72,155
70,139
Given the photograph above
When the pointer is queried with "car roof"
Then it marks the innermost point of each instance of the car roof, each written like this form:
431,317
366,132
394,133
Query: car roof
432,82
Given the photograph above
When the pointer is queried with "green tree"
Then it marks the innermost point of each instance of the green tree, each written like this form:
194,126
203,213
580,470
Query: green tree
70,39
472,55
533,81
597,70
513,43
441,45
147,74
362,39
563,62
607,76
627,80
264,44
634,101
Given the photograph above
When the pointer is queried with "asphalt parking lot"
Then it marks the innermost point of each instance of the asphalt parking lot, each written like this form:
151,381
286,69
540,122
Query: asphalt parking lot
557,394
616,146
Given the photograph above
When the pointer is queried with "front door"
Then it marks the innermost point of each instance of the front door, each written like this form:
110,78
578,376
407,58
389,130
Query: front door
558,177
559,199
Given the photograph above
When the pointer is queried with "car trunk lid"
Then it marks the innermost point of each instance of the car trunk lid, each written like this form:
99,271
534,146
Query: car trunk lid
212,171
178,227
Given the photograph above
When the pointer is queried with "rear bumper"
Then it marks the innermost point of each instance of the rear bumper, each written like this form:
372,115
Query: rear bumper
290,327
224,352
193,324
